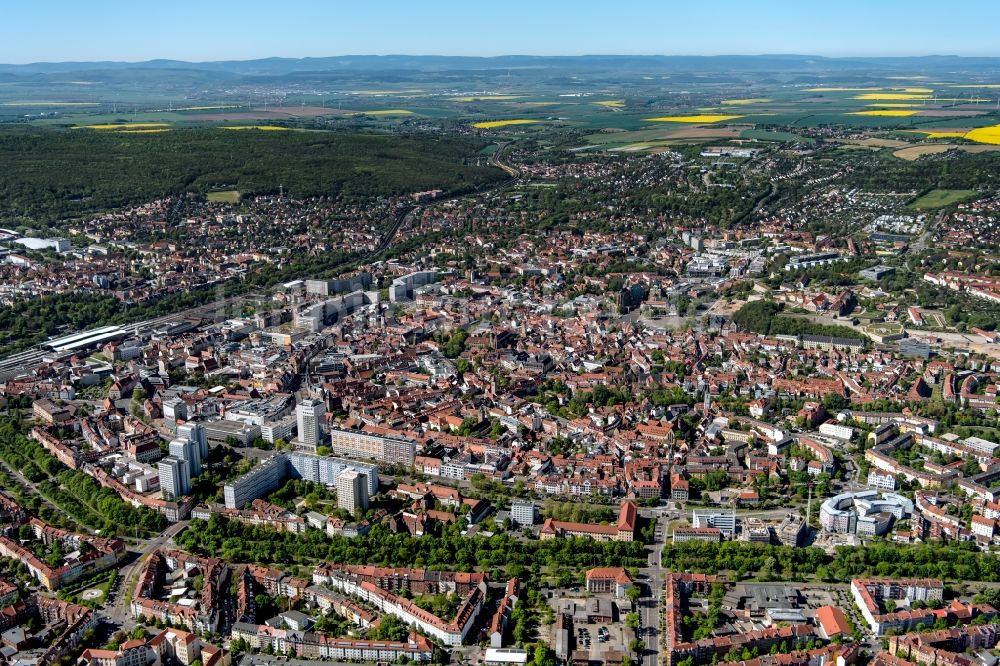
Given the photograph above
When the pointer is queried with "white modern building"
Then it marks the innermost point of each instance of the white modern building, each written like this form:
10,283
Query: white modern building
866,513
523,513
352,491
269,474
358,444
188,452
725,521
309,414
175,478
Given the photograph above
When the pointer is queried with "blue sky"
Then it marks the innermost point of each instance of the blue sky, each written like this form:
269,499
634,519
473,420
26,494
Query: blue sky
54,30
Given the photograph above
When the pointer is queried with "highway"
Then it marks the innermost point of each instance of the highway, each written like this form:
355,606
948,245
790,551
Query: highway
495,160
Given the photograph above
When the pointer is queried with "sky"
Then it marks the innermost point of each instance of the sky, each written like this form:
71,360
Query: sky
199,30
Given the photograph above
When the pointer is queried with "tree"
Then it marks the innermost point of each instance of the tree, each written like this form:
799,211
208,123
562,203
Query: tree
636,645
632,621
391,628
633,594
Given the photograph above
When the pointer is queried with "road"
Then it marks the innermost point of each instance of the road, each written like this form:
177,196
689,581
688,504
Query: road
921,243
20,362
649,603
495,160
116,608
34,490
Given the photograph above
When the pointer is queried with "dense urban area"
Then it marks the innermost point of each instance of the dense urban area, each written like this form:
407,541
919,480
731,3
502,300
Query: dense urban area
501,393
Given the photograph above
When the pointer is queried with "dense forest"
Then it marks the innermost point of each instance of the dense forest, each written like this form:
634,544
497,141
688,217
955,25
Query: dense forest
762,317
886,173
49,175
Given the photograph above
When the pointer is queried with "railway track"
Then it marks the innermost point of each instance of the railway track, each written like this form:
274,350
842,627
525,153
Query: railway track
29,358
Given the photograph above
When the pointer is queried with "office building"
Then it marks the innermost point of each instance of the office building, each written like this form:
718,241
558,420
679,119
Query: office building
195,433
725,521
270,473
309,414
175,478
523,513
284,428
189,453
352,491
357,444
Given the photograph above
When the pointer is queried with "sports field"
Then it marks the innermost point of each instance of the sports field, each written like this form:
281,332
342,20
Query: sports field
942,198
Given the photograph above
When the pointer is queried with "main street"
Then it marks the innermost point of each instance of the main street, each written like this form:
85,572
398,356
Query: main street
651,578
116,609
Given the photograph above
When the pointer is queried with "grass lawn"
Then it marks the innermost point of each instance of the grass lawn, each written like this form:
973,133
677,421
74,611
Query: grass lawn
226,196
942,198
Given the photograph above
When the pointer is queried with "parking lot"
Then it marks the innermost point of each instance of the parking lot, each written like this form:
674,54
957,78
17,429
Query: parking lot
588,638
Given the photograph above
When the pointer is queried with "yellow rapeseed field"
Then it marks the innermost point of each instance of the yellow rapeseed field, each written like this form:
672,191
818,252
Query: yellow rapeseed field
945,135
490,124
896,105
826,89
989,135
884,90
892,96
126,126
704,118
612,103
884,112
143,131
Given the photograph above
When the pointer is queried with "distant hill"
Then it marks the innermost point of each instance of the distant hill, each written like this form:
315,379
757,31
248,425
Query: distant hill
371,63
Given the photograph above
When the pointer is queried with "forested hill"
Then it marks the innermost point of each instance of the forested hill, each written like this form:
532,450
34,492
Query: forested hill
51,174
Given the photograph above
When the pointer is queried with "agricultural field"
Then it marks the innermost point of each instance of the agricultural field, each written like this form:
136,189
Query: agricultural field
696,119
774,135
494,124
921,150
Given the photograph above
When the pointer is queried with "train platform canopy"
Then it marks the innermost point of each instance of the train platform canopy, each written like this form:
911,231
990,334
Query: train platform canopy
86,339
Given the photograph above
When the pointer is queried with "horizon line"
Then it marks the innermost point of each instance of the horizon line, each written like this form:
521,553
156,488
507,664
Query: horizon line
506,55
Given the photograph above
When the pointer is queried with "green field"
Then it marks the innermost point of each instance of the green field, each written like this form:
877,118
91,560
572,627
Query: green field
225,196
942,198
773,135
